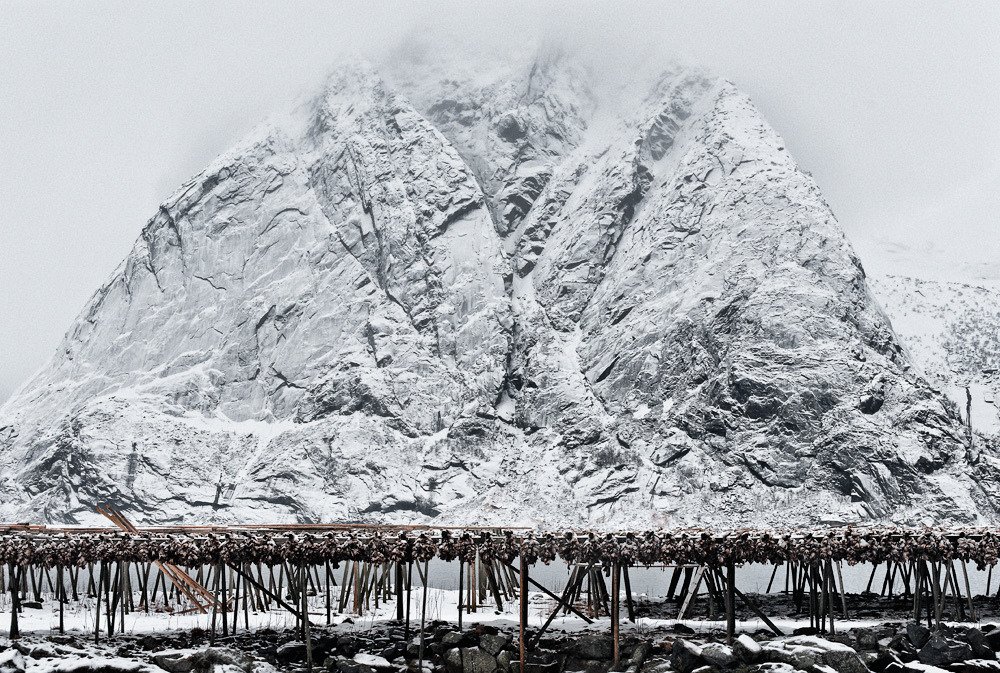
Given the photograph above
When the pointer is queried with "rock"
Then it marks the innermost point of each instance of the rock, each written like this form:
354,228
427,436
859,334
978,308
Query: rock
505,661
918,634
773,667
866,639
291,651
976,639
683,629
883,660
592,646
844,661
375,662
981,666
992,638
452,639
686,656
805,631
11,661
941,651
901,645
718,655
469,660
492,644
746,649
203,661
345,665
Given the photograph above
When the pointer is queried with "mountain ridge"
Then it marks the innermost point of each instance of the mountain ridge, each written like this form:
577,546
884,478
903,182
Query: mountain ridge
464,300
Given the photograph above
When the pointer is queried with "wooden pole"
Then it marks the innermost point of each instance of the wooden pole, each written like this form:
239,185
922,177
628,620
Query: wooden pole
305,617
15,602
522,641
730,602
615,591
423,615
461,577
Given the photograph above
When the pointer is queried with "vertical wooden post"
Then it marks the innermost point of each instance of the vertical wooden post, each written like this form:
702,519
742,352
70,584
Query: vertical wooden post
399,591
730,602
461,578
97,606
15,602
409,595
423,614
615,591
522,643
224,581
305,618
61,597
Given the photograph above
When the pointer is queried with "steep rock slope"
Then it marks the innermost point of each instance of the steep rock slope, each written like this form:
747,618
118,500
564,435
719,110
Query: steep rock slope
952,331
483,294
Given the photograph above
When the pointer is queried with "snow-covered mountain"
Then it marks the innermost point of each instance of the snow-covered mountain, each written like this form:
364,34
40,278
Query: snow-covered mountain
947,314
493,291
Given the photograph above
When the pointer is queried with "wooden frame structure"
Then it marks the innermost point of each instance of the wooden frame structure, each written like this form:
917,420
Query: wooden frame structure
233,570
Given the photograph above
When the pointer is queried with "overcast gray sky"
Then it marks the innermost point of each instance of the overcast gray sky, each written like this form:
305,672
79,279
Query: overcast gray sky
106,107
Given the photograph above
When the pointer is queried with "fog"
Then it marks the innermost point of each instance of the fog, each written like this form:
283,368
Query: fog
106,107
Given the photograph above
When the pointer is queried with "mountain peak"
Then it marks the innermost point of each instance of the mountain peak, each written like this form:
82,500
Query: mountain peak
490,290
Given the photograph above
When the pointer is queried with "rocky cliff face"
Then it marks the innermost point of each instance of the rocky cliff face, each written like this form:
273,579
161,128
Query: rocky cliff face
489,295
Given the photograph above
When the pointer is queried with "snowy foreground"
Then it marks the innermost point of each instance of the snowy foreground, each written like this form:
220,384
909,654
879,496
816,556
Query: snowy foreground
376,643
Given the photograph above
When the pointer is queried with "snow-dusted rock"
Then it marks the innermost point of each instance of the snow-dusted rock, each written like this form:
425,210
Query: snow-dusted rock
481,292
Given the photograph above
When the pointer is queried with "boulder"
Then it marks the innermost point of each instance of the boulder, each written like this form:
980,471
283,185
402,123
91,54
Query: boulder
866,639
746,649
977,641
685,656
592,646
291,651
882,660
918,634
11,661
992,637
376,662
203,661
941,651
718,655
493,644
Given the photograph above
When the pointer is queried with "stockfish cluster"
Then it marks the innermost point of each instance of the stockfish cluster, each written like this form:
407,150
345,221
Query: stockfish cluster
373,545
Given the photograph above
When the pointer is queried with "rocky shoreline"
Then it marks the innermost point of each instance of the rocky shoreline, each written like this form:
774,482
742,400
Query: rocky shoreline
892,647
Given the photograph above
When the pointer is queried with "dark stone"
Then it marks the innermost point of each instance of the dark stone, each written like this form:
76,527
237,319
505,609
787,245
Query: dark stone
593,646
941,651
806,631
344,665
992,638
844,661
894,667
718,655
977,641
347,646
981,666
918,634
452,639
493,644
903,648
685,657
746,649
588,665
203,661
866,639
882,661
